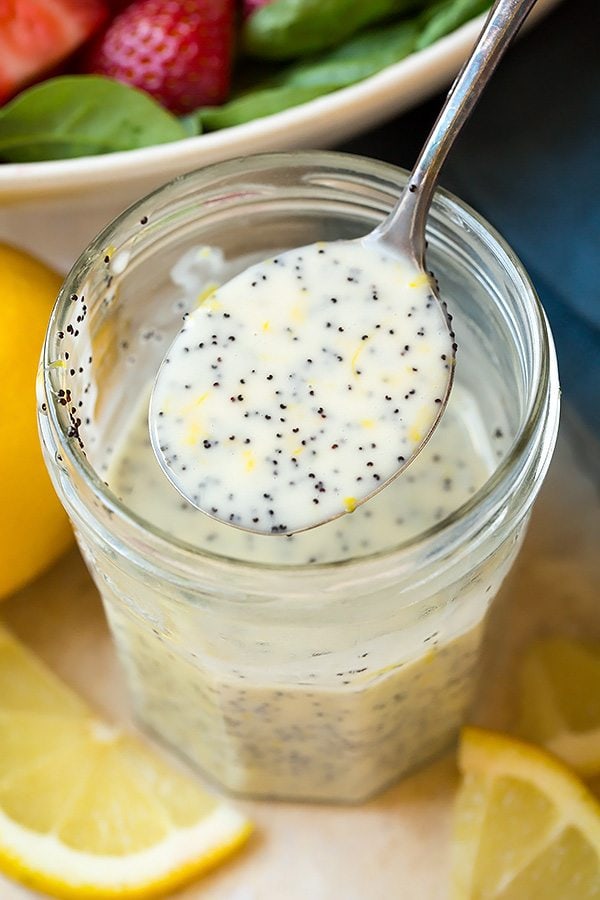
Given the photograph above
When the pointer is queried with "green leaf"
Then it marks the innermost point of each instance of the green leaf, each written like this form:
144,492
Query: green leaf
359,58
286,29
82,115
362,56
447,16
256,105
190,124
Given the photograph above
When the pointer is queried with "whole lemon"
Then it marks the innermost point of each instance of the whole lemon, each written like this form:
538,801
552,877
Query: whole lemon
34,529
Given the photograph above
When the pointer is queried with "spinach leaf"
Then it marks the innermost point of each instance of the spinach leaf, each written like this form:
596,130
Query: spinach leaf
444,17
360,57
82,115
286,29
255,105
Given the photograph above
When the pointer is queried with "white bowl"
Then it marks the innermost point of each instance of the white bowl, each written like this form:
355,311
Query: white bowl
55,208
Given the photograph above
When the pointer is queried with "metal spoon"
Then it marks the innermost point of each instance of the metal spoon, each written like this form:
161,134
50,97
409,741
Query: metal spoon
404,227
272,429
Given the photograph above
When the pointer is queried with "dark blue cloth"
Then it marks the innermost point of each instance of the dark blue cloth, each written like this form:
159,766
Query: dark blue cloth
529,161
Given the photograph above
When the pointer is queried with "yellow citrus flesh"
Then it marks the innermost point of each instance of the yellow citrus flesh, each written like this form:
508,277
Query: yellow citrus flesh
559,700
525,826
88,811
34,530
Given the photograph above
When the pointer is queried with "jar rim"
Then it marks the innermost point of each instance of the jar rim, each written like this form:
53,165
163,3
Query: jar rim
465,521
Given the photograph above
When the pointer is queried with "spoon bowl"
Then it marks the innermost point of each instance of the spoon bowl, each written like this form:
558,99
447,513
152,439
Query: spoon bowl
319,400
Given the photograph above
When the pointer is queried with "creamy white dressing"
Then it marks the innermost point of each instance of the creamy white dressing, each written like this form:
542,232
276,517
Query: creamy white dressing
452,466
362,704
301,386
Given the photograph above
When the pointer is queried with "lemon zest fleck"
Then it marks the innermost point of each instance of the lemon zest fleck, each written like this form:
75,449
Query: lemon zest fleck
190,406
206,295
298,315
193,434
367,423
420,281
416,432
350,504
355,355
249,460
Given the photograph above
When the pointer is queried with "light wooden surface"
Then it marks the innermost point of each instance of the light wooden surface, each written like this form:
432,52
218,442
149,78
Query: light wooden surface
396,846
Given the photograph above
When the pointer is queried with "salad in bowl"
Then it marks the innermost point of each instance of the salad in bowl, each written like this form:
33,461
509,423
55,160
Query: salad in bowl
87,77
102,101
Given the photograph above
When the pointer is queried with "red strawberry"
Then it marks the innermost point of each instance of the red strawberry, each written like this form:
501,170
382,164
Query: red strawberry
177,50
36,35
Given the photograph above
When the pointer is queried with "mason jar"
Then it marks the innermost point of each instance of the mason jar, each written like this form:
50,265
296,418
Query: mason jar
322,674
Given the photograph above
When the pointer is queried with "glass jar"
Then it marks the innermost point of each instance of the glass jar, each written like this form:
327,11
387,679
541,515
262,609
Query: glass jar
324,681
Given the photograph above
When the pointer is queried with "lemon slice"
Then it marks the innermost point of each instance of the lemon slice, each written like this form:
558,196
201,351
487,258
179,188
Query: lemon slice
559,701
87,811
525,826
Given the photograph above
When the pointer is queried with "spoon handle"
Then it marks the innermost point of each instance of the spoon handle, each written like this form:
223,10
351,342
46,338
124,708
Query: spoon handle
405,226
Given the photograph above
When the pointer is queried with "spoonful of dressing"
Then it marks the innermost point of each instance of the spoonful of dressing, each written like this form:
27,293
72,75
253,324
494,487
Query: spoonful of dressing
303,386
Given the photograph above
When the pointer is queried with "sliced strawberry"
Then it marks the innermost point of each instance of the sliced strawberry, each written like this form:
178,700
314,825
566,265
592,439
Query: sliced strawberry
179,51
36,35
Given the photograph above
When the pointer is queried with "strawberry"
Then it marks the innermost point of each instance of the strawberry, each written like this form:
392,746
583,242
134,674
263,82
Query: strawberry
179,51
36,35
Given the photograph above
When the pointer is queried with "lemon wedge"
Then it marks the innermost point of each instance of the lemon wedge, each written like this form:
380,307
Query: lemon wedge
88,811
35,531
525,826
559,701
